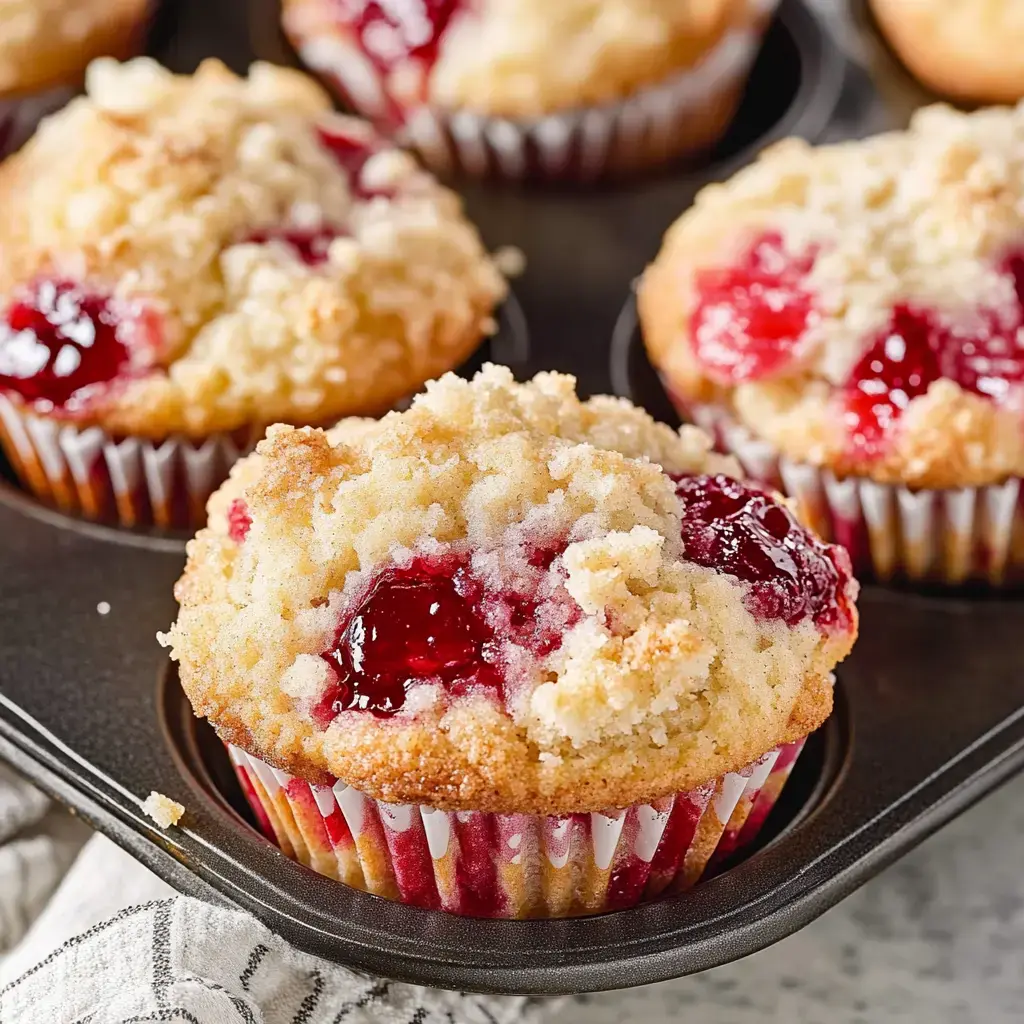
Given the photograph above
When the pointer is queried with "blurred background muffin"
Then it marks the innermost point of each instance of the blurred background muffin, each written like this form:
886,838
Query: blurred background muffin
45,46
969,50
528,88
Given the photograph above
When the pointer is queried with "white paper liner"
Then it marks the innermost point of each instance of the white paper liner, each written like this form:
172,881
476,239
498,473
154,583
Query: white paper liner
513,865
129,480
685,114
939,536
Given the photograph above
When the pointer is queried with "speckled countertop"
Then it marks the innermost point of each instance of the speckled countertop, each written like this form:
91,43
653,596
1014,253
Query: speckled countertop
938,938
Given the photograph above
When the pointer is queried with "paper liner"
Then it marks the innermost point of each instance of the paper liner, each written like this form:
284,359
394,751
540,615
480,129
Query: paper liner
685,114
513,865
130,480
892,532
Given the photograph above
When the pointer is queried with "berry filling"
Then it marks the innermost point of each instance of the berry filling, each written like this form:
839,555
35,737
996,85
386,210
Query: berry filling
239,520
393,33
918,348
309,246
351,154
744,532
436,621
749,317
61,345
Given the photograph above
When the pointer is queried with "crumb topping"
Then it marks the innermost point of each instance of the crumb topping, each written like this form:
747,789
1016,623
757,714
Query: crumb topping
162,809
624,667
924,225
290,264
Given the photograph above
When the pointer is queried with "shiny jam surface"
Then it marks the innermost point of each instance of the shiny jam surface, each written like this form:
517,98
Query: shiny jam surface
351,153
749,317
431,621
917,347
391,32
744,532
61,344
239,520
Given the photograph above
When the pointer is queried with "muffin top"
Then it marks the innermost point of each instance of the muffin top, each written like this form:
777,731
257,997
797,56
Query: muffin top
507,599
971,49
516,58
860,306
46,43
192,254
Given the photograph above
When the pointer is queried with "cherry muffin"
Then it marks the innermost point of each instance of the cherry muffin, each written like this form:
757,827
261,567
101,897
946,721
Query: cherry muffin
187,259
850,319
508,653
515,88
972,50
45,46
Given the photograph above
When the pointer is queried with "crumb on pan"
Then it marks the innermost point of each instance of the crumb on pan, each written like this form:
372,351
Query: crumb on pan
162,809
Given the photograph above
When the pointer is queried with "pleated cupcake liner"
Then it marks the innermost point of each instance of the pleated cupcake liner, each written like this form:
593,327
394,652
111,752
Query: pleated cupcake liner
514,866
950,537
685,114
131,481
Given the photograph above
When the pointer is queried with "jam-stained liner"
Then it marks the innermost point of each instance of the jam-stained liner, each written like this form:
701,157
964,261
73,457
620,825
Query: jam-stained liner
972,534
514,866
683,115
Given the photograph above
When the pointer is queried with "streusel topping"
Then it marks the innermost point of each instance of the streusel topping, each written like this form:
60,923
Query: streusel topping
490,601
258,257
861,305
517,58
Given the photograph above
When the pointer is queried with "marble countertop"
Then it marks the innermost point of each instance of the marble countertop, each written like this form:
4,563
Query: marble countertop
937,938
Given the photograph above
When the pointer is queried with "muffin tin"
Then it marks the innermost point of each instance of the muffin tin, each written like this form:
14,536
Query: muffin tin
930,708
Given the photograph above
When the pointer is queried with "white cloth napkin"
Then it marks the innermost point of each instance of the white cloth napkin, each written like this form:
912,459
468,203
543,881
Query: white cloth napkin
116,945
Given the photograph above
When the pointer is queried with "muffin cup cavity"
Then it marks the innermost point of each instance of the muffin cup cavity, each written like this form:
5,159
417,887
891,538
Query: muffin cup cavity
514,866
131,481
682,116
950,537
19,115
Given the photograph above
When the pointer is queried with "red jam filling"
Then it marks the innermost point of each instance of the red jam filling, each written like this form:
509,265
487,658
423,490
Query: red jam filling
749,317
351,154
433,621
60,345
309,246
917,348
239,520
744,532
392,33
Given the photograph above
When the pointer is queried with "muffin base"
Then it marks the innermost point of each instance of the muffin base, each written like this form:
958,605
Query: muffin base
514,866
131,481
950,537
683,116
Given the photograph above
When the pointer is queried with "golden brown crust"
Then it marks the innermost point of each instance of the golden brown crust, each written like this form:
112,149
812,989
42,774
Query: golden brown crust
47,43
528,58
921,217
663,680
160,191
971,50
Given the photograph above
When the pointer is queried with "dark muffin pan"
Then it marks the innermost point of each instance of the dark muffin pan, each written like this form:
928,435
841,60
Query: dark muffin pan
929,707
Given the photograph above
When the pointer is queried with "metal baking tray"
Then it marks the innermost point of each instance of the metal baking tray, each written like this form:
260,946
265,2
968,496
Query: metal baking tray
929,707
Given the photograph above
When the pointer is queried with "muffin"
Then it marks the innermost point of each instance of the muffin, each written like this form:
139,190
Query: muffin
517,88
45,46
507,653
849,319
972,50
187,259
